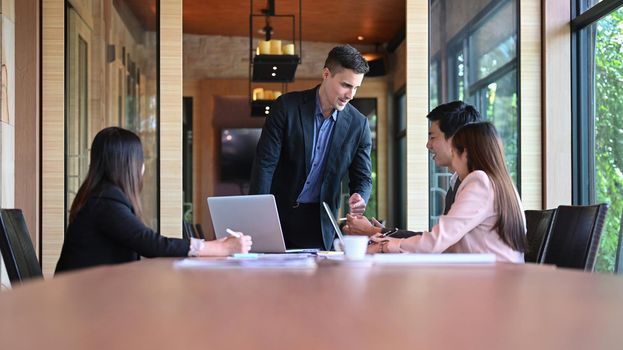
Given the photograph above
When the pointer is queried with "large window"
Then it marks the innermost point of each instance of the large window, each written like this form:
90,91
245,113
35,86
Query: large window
598,115
112,80
477,41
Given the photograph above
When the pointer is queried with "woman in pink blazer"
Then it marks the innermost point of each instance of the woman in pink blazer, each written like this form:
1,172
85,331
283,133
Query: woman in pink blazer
486,217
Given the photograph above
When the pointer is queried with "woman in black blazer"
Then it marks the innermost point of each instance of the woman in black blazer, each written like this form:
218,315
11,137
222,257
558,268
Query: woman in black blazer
105,223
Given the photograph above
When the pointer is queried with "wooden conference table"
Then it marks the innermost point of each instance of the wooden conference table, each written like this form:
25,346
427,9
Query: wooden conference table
152,305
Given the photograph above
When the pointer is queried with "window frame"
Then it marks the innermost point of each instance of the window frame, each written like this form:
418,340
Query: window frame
400,170
460,42
582,124
473,89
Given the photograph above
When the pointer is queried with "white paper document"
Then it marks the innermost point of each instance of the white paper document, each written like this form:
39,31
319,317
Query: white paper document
271,261
449,258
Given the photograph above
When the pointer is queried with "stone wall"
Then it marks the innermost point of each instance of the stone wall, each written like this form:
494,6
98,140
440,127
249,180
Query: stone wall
217,57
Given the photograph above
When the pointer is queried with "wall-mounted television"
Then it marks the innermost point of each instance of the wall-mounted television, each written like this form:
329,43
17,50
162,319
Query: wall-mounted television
237,152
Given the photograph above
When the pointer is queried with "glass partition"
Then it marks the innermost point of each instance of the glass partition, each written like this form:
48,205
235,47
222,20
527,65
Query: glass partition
112,80
473,58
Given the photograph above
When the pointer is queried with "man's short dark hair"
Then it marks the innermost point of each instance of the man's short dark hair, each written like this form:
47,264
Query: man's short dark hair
346,56
452,116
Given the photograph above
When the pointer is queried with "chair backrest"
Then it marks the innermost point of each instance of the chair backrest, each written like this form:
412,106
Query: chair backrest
538,226
16,247
199,231
574,237
187,230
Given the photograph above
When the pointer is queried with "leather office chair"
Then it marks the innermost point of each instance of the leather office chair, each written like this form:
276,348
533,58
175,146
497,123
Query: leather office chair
187,230
538,227
574,237
16,247
199,231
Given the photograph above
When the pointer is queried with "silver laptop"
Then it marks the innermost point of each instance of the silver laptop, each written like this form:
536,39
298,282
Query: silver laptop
254,215
336,228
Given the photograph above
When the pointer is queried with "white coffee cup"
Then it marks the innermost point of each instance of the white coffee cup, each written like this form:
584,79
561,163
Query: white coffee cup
355,247
337,245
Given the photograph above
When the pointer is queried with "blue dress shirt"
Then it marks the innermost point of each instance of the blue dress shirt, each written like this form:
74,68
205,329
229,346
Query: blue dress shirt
322,134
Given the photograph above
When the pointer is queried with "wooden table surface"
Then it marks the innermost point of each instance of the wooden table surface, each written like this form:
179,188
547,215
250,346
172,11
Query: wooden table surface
152,305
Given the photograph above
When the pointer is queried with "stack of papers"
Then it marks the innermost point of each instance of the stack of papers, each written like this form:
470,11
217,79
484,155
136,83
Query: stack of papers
308,261
448,258
330,254
287,261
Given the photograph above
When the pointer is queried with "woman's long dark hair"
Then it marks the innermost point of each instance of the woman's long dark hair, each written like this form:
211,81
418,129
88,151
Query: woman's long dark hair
116,158
485,152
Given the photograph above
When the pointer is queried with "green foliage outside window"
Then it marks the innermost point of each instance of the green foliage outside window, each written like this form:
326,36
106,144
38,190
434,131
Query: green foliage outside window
609,131
501,109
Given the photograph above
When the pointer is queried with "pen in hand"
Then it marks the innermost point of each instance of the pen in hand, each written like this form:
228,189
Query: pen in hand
389,233
233,233
384,235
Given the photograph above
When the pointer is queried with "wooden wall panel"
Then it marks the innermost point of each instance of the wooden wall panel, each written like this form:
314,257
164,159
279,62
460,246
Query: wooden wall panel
556,103
27,180
417,108
171,117
530,74
52,132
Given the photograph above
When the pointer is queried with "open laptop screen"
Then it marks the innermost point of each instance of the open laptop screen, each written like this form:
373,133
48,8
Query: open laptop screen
336,228
254,215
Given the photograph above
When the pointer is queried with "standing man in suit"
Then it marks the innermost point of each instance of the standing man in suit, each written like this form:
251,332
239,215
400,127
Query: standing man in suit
312,139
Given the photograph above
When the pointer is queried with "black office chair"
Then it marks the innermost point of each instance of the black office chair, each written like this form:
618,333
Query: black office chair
187,230
16,247
574,237
199,231
538,226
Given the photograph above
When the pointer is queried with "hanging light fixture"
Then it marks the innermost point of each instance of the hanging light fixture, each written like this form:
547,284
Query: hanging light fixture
267,30
270,61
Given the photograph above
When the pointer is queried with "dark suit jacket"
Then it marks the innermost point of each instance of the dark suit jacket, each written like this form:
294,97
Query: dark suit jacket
106,231
282,160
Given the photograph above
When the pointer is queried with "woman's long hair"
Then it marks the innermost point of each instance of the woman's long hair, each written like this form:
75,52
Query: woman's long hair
116,158
485,152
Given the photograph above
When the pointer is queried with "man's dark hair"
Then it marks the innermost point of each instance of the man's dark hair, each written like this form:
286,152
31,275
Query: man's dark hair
452,116
346,56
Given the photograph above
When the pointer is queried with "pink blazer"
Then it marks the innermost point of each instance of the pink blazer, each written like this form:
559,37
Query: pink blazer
468,226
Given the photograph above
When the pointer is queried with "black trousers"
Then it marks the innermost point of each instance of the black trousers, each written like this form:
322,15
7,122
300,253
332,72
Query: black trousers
301,226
